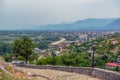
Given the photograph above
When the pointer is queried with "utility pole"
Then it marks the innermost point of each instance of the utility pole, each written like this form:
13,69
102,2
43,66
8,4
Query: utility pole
53,58
93,56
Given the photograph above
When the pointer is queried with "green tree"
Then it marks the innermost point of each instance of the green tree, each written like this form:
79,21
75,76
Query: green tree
21,58
23,47
33,58
42,45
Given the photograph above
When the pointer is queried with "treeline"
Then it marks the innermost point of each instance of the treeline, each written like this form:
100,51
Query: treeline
71,59
76,59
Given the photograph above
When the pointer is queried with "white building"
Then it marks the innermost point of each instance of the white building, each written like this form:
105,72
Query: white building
57,53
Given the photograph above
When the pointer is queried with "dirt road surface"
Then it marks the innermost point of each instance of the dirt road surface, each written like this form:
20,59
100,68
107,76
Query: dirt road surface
46,74
58,42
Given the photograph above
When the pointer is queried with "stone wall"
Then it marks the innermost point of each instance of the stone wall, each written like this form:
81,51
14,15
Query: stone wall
95,72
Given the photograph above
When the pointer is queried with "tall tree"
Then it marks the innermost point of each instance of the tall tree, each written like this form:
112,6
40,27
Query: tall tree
23,47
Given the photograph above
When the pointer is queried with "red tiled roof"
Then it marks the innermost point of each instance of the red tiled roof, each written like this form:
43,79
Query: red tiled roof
59,45
112,64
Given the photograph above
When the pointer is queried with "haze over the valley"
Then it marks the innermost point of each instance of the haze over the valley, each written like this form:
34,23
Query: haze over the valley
22,14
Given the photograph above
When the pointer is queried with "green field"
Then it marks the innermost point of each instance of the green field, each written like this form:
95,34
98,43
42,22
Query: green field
7,39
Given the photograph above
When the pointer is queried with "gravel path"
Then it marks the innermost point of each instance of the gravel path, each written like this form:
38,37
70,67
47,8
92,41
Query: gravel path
42,74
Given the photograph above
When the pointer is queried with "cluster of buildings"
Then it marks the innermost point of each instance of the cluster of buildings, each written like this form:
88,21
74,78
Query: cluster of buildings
77,36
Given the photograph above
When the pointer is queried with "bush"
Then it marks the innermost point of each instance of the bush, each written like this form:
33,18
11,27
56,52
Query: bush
72,59
45,61
21,58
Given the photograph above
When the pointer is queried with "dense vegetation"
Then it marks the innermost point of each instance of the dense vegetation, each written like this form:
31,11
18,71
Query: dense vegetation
23,47
72,59
107,50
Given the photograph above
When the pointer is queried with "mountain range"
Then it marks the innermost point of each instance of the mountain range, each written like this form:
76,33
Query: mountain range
86,24
81,25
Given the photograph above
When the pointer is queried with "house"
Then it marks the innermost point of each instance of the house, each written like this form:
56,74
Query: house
83,38
37,50
113,41
112,65
57,53
61,45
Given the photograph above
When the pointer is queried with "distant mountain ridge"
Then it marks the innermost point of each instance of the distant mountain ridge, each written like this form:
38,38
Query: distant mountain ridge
87,24
115,25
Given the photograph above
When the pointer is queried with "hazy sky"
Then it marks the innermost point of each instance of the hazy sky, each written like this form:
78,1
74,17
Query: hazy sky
24,13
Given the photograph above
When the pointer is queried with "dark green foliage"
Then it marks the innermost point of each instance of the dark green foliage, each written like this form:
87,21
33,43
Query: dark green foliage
45,61
8,57
100,62
33,58
42,45
72,59
21,58
23,47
